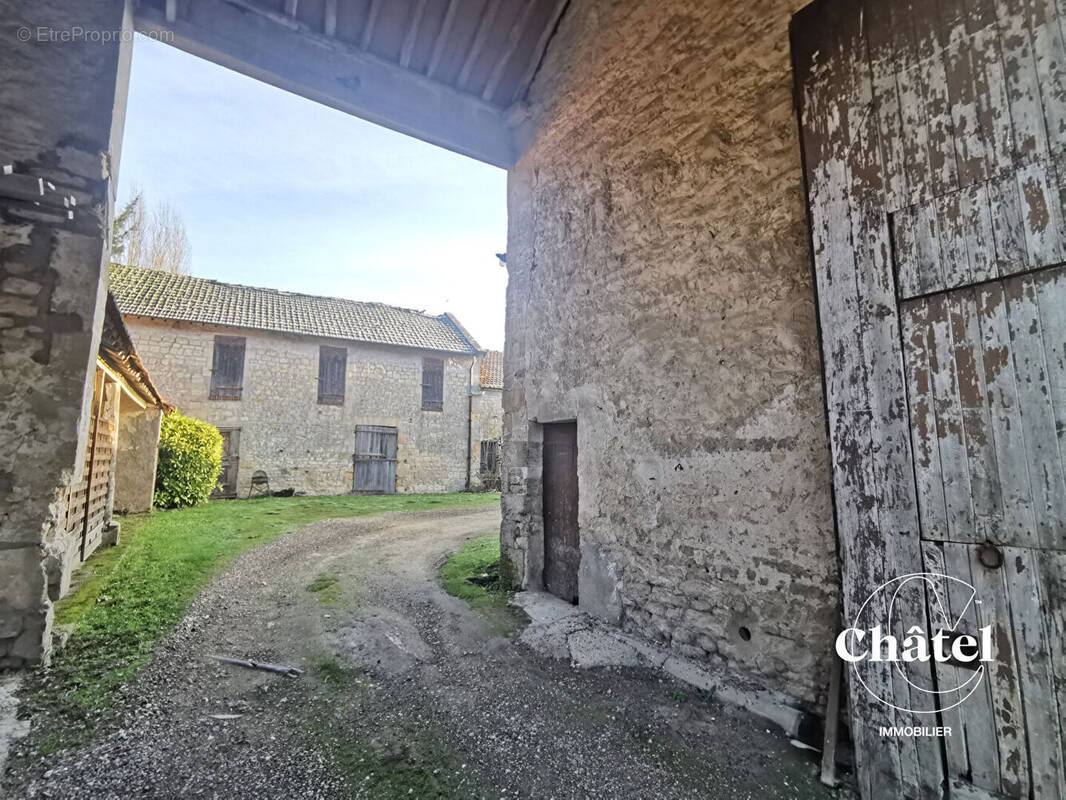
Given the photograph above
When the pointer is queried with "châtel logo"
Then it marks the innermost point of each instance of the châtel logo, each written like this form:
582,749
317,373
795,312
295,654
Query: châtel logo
909,621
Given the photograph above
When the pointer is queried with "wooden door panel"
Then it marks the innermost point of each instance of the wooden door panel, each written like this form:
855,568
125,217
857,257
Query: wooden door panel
374,461
231,448
934,142
987,383
562,550
375,477
979,232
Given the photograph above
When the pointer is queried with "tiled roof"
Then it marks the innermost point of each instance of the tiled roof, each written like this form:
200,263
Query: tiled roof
154,293
492,370
117,351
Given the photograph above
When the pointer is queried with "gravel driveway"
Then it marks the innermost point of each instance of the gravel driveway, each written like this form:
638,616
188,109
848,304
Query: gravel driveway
407,692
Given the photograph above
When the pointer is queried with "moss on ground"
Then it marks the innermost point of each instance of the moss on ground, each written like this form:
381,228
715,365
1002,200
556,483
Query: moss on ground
132,595
473,574
326,588
392,763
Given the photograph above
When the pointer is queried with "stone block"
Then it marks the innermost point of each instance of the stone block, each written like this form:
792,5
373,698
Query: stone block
22,577
21,287
17,306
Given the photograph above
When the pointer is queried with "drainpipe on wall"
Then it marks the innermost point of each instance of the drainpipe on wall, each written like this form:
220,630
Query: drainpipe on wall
470,421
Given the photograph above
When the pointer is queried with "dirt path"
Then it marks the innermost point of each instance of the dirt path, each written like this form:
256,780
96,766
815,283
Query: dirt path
407,693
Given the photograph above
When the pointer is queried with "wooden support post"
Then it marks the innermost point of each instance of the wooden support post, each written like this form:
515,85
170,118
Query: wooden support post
832,724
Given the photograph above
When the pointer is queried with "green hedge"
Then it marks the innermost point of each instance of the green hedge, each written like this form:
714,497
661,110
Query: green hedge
190,461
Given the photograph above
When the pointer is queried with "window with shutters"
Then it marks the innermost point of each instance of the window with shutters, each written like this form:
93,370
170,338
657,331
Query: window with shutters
227,369
332,365
432,384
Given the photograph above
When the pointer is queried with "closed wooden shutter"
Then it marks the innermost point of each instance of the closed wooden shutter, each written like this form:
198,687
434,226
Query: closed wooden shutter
432,384
332,365
227,369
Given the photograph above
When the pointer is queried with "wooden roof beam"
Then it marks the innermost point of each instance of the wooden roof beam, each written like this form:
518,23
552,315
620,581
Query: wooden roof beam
328,71
513,38
539,50
412,34
329,21
371,21
442,38
487,18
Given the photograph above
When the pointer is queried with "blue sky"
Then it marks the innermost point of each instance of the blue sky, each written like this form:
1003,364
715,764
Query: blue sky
278,191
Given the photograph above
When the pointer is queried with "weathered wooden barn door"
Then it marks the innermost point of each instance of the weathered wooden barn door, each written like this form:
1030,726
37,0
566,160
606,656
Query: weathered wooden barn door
231,462
934,144
562,547
375,460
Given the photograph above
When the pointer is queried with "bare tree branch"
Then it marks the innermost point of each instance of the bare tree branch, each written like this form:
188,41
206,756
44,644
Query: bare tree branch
153,240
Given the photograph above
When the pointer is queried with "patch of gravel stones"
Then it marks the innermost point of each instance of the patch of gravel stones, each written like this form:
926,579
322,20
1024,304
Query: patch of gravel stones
486,715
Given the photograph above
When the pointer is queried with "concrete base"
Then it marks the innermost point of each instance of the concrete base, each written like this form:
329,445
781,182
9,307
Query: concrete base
560,630
110,536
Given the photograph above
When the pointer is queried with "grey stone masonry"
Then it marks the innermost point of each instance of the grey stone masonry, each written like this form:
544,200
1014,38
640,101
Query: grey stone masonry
487,423
660,294
285,432
138,446
61,112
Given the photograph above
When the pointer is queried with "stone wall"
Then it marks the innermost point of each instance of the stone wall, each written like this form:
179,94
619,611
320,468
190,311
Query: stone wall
60,121
286,433
486,418
660,294
136,456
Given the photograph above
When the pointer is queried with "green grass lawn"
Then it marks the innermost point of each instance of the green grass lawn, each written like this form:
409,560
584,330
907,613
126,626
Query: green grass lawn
131,595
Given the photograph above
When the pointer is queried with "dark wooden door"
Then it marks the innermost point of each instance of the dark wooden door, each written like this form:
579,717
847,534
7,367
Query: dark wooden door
375,460
562,544
231,446
934,142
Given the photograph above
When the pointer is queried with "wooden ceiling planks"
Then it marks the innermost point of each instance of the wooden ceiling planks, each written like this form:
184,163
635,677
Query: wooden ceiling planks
487,48
451,72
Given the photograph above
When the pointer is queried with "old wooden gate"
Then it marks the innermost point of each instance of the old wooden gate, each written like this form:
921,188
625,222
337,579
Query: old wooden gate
375,460
231,462
562,548
934,144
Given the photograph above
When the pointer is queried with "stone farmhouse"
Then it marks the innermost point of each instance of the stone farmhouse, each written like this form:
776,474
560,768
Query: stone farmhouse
316,394
784,317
